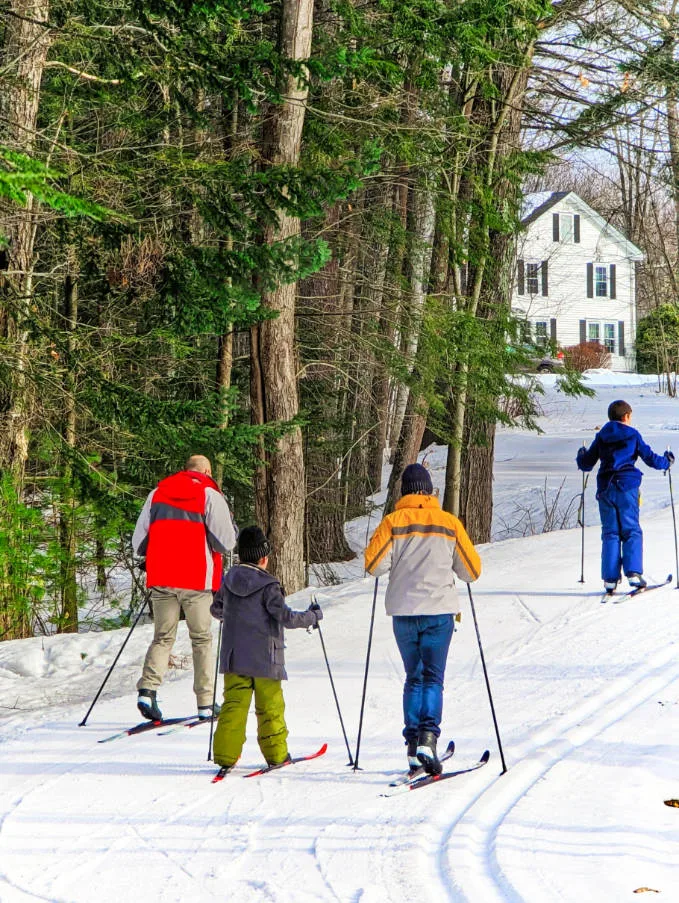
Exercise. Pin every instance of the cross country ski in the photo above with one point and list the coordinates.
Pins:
(428, 779)
(145, 726)
(617, 598)
(291, 761)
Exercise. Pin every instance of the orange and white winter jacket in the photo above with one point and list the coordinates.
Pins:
(423, 547)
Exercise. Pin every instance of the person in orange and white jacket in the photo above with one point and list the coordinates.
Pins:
(423, 547)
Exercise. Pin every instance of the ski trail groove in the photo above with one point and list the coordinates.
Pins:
(472, 837)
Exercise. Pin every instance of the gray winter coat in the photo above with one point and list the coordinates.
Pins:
(251, 604)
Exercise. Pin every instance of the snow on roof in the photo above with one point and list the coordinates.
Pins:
(537, 200)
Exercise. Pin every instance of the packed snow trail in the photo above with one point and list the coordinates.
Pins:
(587, 699)
(140, 816)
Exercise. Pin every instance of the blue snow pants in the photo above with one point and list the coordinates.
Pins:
(423, 642)
(622, 543)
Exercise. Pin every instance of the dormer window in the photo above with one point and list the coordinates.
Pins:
(566, 228)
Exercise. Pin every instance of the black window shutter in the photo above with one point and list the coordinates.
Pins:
(621, 338)
(543, 273)
(555, 226)
(583, 331)
(552, 329)
(611, 293)
(522, 280)
(590, 280)
(576, 228)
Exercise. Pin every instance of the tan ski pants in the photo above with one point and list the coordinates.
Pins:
(167, 603)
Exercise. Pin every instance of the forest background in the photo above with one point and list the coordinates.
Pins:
(282, 234)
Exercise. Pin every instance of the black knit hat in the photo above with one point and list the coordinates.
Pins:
(252, 545)
(415, 478)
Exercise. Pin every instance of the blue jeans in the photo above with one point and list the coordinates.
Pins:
(619, 510)
(423, 642)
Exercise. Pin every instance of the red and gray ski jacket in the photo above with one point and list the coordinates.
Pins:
(183, 530)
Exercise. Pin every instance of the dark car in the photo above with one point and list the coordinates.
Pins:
(534, 358)
(548, 363)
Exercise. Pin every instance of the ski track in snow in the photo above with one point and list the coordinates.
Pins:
(472, 836)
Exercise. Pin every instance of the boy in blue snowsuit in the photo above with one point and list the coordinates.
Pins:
(617, 445)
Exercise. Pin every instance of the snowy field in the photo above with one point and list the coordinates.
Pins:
(586, 695)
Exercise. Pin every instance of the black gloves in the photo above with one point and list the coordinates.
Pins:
(670, 458)
(316, 608)
(141, 565)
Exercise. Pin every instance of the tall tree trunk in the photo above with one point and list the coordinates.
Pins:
(397, 208)
(502, 121)
(68, 619)
(27, 41)
(320, 307)
(673, 136)
(412, 429)
(419, 262)
(280, 485)
(476, 496)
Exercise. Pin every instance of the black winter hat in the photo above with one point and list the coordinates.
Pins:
(252, 545)
(415, 478)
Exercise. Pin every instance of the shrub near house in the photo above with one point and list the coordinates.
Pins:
(587, 356)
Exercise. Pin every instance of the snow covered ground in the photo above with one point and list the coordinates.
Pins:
(586, 695)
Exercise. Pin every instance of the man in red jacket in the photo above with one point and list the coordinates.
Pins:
(183, 530)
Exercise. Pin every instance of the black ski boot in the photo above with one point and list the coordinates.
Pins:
(426, 752)
(148, 706)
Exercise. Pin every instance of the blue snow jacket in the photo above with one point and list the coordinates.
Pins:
(617, 446)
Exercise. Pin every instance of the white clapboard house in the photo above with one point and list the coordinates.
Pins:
(576, 277)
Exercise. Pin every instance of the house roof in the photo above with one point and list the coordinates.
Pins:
(537, 203)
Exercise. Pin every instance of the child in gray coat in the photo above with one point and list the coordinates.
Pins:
(251, 604)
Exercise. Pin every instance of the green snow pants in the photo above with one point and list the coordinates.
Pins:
(272, 731)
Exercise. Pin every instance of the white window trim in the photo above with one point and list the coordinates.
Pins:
(602, 324)
(538, 275)
(534, 329)
(614, 350)
(607, 267)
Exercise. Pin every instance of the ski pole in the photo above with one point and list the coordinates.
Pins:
(674, 521)
(581, 521)
(365, 678)
(120, 652)
(485, 674)
(214, 689)
(334, 693)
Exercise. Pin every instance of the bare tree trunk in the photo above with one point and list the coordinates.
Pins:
(319, 297)
(280, 488)
(476, 497)
(408, 446)
(424, 218)
(27, 41)
(68, 619)
(379, 378)
(225, 341)
(503, 120)
(673, 135)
